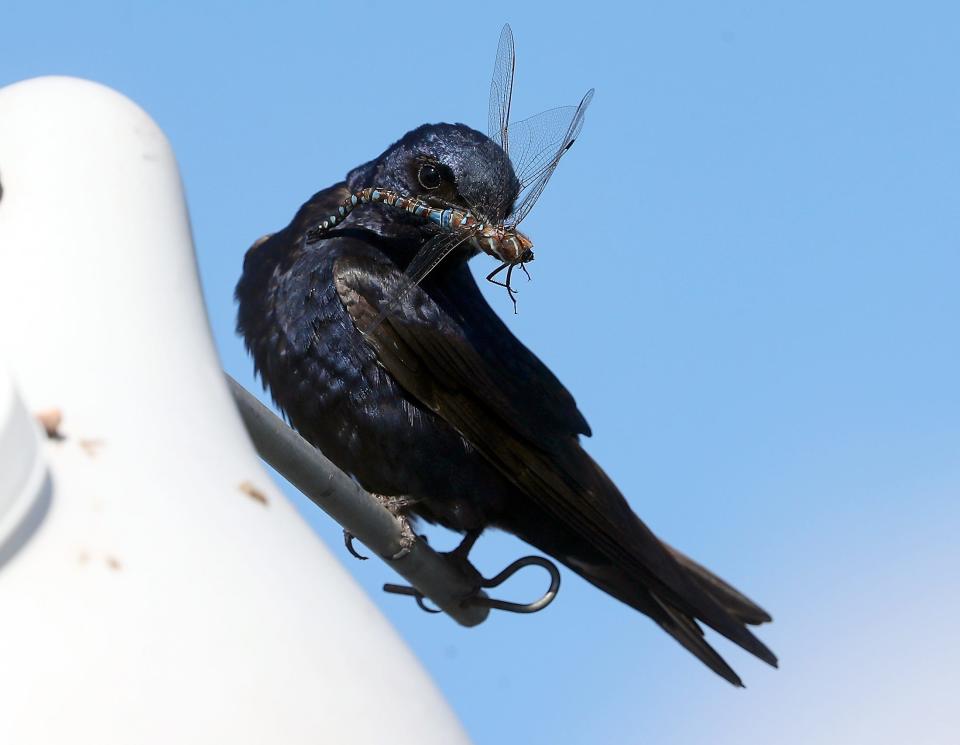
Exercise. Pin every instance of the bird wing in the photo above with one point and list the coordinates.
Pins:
(533, 390)
(429, 354)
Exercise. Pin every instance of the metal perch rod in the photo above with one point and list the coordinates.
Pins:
(430, 574)
(356, 510)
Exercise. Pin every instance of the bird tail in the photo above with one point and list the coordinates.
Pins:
(682, 626)
(730, 599)
(569, 508)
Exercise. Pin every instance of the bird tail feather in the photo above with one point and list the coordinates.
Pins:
(732, 600)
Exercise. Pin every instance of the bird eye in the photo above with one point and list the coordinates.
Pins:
(428, 176)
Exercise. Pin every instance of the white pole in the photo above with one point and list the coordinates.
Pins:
(169, 593)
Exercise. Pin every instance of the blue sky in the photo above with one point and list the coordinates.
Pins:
(747, 274)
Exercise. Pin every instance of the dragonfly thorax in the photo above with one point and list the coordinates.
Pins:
(506, 244)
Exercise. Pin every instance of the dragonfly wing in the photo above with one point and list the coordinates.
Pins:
(426, 260)
(501, 90)
(433, 252)
(538, 144)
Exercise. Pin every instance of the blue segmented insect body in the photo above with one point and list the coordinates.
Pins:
(504, 243)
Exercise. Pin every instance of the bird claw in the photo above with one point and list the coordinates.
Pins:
(407, 538)
(466, 545)
(348, 539)
(396, 506)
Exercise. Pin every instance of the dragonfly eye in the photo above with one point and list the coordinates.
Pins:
(428, 176)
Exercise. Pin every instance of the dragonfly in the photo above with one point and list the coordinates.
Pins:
(534, 146)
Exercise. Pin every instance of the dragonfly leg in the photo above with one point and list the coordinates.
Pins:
(510, 291)
(495, 272)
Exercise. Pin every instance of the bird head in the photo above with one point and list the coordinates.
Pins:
(445, 164)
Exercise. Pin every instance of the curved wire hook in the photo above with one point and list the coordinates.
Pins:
(412, 592)
(537, 605)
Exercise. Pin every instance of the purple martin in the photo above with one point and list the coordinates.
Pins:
(422, 393)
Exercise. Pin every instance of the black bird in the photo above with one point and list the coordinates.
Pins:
(439, 404)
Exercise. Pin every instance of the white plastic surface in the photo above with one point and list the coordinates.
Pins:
(24, 487)
(169, 594)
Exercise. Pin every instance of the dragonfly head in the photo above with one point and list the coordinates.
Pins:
(524, 247)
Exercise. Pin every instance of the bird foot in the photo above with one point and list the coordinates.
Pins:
(407, 538)
(463, 550)
(397, 505)
(348, 539)
(460, 557)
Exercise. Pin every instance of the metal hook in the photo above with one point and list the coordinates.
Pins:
(412, 592)
(536, 605)
(479, 600)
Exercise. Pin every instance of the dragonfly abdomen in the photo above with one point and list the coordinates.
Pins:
(448, 219)
(506, 244)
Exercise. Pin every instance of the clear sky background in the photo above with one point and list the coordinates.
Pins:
(747, 274)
